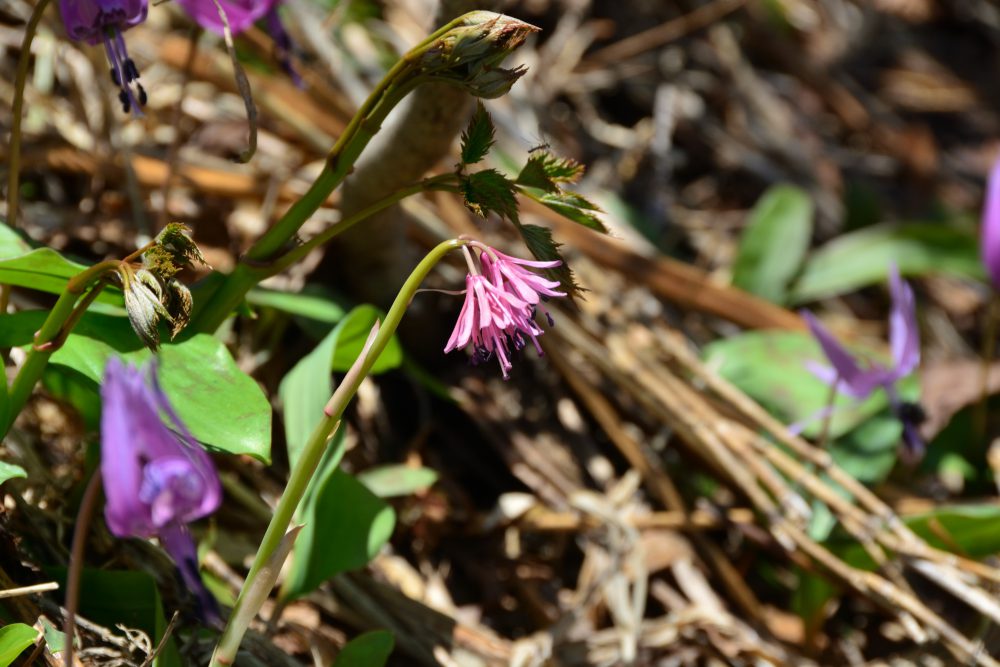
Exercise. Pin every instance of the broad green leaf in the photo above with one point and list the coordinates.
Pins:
(345, 527)
(312, 306)
(769, 366)
(478, 137)
(305, 390)
(774, 242)
(14, 638)
(372, 649)
(223, 407)
(4, 400)
(353, 332)
(11, 471)
(869, 451)
(489, 191)
(55, 639)
(571, 206)
(110, 597)
(11, 243)
(47, 271)
(863, 257)
(389, 481)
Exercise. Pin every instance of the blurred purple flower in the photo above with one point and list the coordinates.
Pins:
(156, 476)
(96, 21)
(241, 14)
(501, 297)
(860, 377)
(990, 232)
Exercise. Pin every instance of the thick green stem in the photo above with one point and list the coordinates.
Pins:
(62, 316)
(245, 276)
(305, 468)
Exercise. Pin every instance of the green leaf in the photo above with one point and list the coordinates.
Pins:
(863, 257)
(55, 639)
(478, 137)
(11, 471)
(47, 271)
(14, 638)
(4, 400)
(389, 481)
(372, 649)
(223, 407)
(318, 307)
(345, 527)
(541, 244)
(770, 367)
(544, 170)
(774, 243)
(489, 191)
(306, 388)
(110, 597)
(11, 243)
(571, 206)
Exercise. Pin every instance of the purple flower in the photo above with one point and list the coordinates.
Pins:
(156, 476)
(241, 14)
(990, 232)
(96, 21)
(860, 377)
(501, 297)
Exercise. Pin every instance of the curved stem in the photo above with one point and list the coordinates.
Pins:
(75, 571)
(60, 320)
(305, 468)
(17, 110)
(245, 276)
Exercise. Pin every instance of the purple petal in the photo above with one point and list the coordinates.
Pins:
(90, 19)
(839, 357)
(177, 541)
(904, 333)
(241, 14)
(990, 233)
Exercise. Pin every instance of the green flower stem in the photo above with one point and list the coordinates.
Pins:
(17, 111)
(56, 326)
(305, 468)
(246, 276)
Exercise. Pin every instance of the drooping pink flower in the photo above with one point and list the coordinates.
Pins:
(501, 298)
(156, 476)
(96, 21)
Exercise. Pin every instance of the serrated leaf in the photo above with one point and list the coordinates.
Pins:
(489, 191)
(541, 244)
(572, 206)
(533, 176)
(478, 137)
(774, 242)
(556, 169)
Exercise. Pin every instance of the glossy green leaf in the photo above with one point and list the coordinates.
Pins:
(345, 526)
(863, 257)
(774, 242)
(389, 481)
(571, 206)
(47, 271)
(318, 307)
(223, 407)
(11, 471)
(372, 649)
(110, 597)
(4, 400)
(14, 638)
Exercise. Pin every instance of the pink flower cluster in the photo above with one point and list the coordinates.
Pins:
(502, 296)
